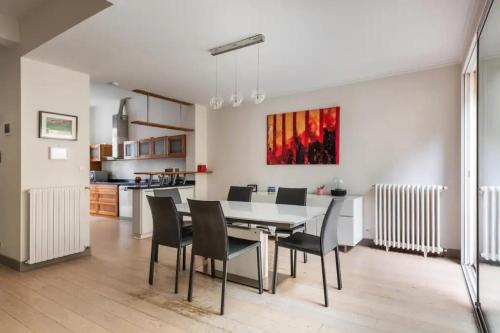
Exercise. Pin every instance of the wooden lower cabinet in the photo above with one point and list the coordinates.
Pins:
(104, 200)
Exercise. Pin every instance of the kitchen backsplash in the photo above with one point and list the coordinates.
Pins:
(125, 169)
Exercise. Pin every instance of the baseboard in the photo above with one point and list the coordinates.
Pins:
(24, 267)
(11, 263)
(448, 253)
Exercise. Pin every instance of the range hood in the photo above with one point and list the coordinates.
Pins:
(120, 128)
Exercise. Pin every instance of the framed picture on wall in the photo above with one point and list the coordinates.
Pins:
(57, 126)
(304, 137)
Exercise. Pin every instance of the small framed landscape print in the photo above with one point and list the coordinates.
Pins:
(57, 126)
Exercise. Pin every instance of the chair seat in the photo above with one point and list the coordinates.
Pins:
(302, 242)
(238, 246)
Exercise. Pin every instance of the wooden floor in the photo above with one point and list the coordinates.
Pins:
(108, 292)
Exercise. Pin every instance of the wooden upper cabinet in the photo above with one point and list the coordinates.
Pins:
(159, 147)
(99, 152)
(177, 146)
(145, 148)
(130, 150)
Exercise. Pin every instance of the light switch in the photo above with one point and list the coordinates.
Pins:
(58, 153)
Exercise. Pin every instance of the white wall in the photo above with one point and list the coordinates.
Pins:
(55, 89)
(105, 102)
(10, 165)
(402, 129)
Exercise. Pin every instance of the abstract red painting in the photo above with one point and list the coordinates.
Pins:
(304, 137)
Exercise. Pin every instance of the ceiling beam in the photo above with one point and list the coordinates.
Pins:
(150, 94)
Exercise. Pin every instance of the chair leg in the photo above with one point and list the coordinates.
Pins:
(177, 266)
(224, 279)
(291, 262)
(259, 269)
(275, 267)
(325, 290)
(156, 253)
(184, 258)
(212, 268)
(191, 273)
(305, 254)
(337, 262)
(294, 263)
(154, 248)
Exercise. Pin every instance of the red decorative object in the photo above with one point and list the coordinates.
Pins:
(202, 168)
(304, 137)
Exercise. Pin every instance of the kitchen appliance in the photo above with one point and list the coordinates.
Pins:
(125, 202)
(120, 128)
(99, 176)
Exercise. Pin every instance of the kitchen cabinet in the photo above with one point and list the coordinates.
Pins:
(142, 225)
(99, 152)
(104, 199)
(130, 150)
(145, 148)
(159, 147)
(177, 146)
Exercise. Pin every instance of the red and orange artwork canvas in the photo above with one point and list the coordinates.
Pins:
(304, 137)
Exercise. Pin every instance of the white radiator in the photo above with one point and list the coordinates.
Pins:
(490, 222)
(57, 228)
(408, 217)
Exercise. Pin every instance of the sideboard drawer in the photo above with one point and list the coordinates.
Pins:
(347, 208)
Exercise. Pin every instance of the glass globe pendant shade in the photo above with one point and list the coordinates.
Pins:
(258, 96)
(216, 102)
(236, 99)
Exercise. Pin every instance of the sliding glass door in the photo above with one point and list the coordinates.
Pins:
(488, 157)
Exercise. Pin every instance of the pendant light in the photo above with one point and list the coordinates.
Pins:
(216, 101)
(258, 95)
(236, 98)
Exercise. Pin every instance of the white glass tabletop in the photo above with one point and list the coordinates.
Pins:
(287, 216)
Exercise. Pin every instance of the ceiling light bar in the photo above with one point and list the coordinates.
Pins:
(237, 45)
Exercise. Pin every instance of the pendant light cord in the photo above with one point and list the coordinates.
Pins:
(258, 68)
(235, 73)
(216, 76)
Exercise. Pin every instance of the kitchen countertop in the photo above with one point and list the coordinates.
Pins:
(141, 186)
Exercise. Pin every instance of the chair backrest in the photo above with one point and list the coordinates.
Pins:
(171, 192)
(291, 196)
(167, 224)
(240, 193)
(209, 229)
(329, 238)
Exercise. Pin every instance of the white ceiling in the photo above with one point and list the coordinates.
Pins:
(18, 8)
(162, 46)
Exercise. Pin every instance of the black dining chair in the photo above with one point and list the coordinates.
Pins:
(167, 231)
(210, 240)
(297, 197)
(169, 192)
(240, 193)
(317, 245)
(186, 221)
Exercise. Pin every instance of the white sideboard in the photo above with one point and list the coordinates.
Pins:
(142, 226)
(350, 229)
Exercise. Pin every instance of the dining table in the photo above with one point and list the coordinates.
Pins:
(255, 221)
